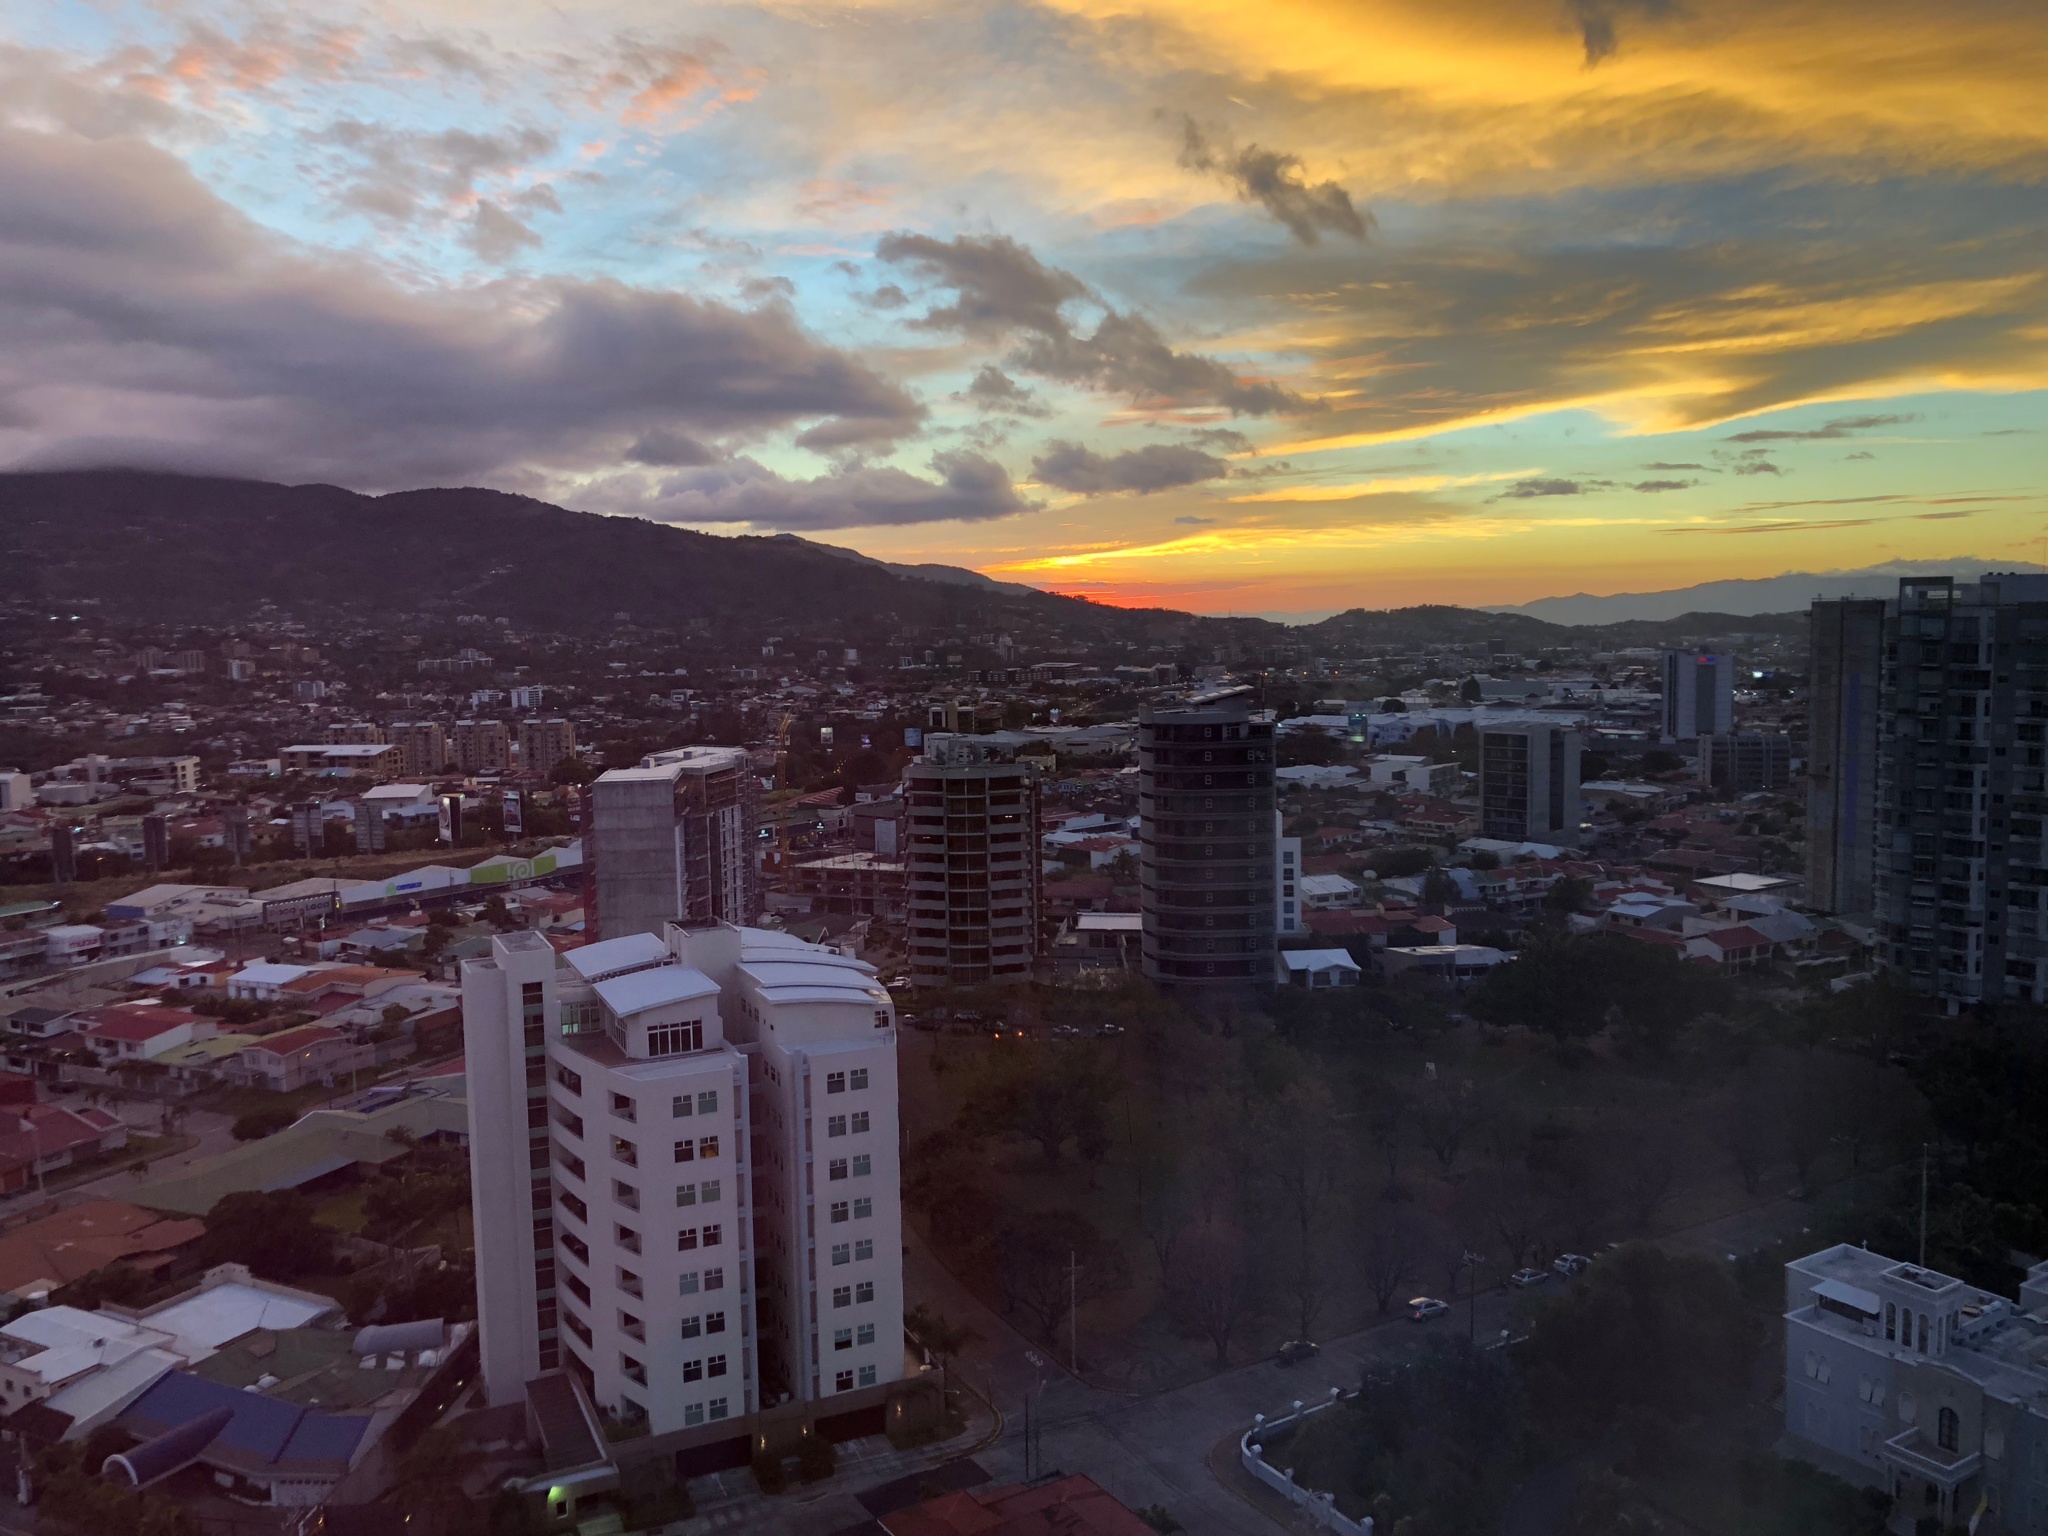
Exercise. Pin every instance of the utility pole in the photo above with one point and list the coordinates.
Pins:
(1923, 1205)
(1074, 1310)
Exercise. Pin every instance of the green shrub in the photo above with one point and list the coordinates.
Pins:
(769, 1476)
(817, 1460)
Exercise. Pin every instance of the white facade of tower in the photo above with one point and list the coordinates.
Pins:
(693, 1283)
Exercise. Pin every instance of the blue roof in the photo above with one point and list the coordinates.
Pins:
(263, 1432)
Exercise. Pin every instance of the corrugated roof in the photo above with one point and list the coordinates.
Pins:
(638, 991)
(263, 1435)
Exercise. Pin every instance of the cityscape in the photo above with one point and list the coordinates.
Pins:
(1023, 768)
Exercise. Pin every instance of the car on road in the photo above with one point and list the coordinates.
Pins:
(1422, 1308)
(1295, 1351)
(1524, 1278)
(1569, 1264)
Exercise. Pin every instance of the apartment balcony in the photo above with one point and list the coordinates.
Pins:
(624, 1151)
(1913, 1453)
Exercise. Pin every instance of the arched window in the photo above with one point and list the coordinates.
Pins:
(1948, 1429)
(1923, 1333)
(1891, 1321)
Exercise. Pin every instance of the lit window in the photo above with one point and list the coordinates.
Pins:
(707, 1146)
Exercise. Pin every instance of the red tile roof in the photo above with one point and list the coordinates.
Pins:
(293, 1040)
(134, 1021)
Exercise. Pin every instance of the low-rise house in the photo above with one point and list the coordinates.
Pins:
(128, 1032)
(263, 981)
(41, 1255)
(1329, 892)
(1740, 948)
(1094, 941)
(1456, 964)
(38, 1139)
(287, 1061)
(1316, 969)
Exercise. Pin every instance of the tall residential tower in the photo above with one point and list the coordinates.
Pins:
(673, 841)
(970, 814)
(1207, 828)
(684, 1172)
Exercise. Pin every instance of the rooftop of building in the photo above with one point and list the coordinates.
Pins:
(615, 957)
(658, 986)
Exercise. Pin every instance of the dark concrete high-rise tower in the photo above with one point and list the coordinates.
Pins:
(1844, 694)
(1205, 806)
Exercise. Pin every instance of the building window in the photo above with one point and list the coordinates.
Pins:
(720, 1407)
(867, 1375)
(715, 1366)
(569, 1080)
(632, 1327)
(690, 1327)
(835, 1082)
(708, 1192)
(863, 1165)
(674, 1039)
(633, 1369)
(842, 1338)
(714, 1279)
(707, 1102)
(839, 1210)
(679, 1106)
(693, 1370)
(841, 1254)
(629, 1283)
(686, 1284)
(707, 1146)
(693, 1414)
(863, 1208)
(865, 1334)
(836, 1169)
(686, 1151)
(865, 1291)
(842, 1295)
(842, 1381)
(686, 1194)
(713, 1235)
(714, 1322)
(864, 1248)
(627, 1239)
(1948, 1429)
(1891, 1321)
(860, 1122)
(686, 1239)
(624, 1107)
(859, 1079)
(624, 1151)
(835, 1125)
(626, 1194)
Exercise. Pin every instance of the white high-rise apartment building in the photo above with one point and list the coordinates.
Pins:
(684, 1171)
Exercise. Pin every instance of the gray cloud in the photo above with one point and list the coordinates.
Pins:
(132, 295)
(968, 488)
(1221, 439)
(1523, 490)
(1674, 466)
(1002, 291)
(995, 391)
(1597, 21)
(496, 235)
(1664, 485)
(1754, 463)
(669, 450)
(1155, 467)
(396, 177)
(1274, 181)
(1841, 426)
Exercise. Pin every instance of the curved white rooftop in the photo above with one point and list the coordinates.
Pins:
(655, 987)
(612, 957)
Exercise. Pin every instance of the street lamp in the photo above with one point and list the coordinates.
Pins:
(1472, 1261)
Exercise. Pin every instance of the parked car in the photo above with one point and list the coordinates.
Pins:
(1527, 1277)
(1294, 1351)
(1422, 1308)
(1570, 1263)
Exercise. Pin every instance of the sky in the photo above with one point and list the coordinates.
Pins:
(1282, 308)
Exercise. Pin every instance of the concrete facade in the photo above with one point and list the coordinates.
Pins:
(673, 841)
(971, 843)
(1846, 650)
(1529, 783)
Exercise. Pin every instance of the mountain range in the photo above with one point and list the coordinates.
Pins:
(1769, 594)
(191, 549)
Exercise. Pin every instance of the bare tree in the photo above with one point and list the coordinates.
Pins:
(1389, 1114)
(1445, 1116)
(1389, 1243)
(1307, 1155)
(1214, 1287)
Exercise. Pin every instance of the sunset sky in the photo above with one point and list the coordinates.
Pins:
(1275, 308)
